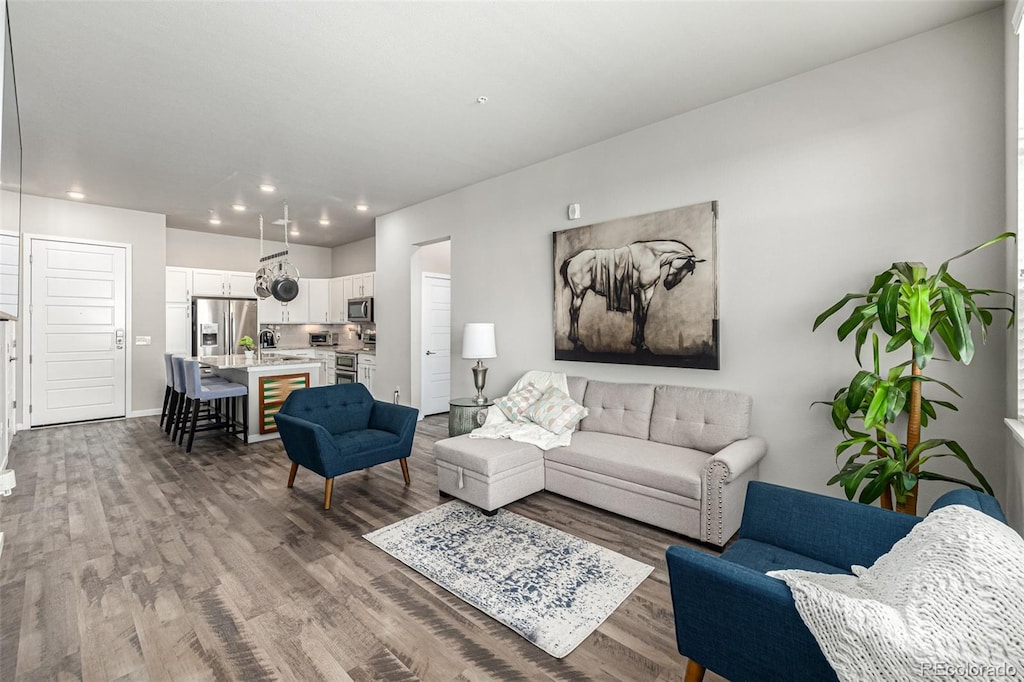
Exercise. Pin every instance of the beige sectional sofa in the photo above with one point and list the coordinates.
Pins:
(676, 457)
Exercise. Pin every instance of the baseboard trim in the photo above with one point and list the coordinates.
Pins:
(155, 412)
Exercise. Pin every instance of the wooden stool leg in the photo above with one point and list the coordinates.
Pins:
(328, 491)
(694, 672)
(192, 424)
(291, 474)
(405, 469)
(180, 422)
(245, 418)
(167, 400)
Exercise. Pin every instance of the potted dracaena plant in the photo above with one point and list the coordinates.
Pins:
(911, 308)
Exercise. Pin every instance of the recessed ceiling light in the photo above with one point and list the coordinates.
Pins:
(215, 221)
(238, 207)
(72, 194)
(325, 222)
(482, 99)
(362, 207)
(267, 188)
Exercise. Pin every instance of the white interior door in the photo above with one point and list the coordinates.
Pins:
(78, 334)
(436, 368)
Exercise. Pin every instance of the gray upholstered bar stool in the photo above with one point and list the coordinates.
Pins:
(198, 392)
(176, 409)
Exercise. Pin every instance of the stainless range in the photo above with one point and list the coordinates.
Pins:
(345, 369)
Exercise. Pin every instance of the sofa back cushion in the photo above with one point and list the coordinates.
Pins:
(705, 419)
(577, 388)
(618, 409)
(338, 407)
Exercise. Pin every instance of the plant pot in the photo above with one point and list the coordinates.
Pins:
(249, 355)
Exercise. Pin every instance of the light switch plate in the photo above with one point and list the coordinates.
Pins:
(574, 211)
(143, 340)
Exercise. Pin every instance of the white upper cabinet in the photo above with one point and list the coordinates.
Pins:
(179, 285)
(319, 300)
(362, 285)
(336, 299)
(223, 283)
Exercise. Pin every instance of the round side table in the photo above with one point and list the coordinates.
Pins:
(462, 415)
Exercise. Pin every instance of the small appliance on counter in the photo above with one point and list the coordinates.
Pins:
(323, 339)
(369, 337)
(268, 338)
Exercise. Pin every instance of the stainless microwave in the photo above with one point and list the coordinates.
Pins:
(360, 309)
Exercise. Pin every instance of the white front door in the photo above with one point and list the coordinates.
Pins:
(436, 369)
(78, 333)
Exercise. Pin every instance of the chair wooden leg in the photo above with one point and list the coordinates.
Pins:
(405, 468)
(328, 490)
(172, 411)
(694, 672)
(192, 424)
(163, 410)
(291, 474)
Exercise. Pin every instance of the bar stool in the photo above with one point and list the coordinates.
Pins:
(197, 392)
(169, 391)
(176, 412)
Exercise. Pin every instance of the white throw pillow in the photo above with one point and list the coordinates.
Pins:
(516, 403)
(556, 411)
(946, 602)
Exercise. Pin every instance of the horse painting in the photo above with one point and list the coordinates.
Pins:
(626, 276)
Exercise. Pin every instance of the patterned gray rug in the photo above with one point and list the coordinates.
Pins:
(552, 588)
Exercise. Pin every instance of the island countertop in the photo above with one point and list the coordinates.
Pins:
(257, 363)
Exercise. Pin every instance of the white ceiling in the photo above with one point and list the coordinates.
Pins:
(183, 107)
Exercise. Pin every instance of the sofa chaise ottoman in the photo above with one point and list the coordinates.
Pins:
(675, 457)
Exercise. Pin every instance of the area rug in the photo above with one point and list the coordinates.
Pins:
(552, 588)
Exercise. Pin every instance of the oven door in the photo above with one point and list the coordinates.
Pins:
(342, 377)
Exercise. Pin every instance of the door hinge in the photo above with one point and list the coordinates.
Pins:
(30, 259)
(30, 409)
(14, 405)
(30, 358)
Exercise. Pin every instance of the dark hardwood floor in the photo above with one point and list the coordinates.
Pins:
(127, 559)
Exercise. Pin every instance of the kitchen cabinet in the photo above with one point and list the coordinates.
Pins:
(223, 283)
(179, 285)
(366, 370)
(272, 311)
(362, 285)
(178, 310)
(319, 300)
(336, 299)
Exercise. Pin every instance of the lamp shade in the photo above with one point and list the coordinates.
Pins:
(478, 341)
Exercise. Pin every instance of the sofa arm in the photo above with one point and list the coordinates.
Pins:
(833, 530)
(739, 622)
(397, 419)
(305, 442)
(973, 499)
(739, 456)
(724, 487)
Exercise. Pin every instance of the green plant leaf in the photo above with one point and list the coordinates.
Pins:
(898, 340)
(932, 476)
(990, 242)
(860, 314)
(945, 331)
(876, 409)
(888, 310)
(920, 311)
(835, 307)
(874, 489)
(862, 382)
(881, 279)
(953, 302)
(904, 271)
(851, 483)
(962, 455)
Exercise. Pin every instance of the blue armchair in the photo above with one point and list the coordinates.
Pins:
(333, 430)
(732, 618)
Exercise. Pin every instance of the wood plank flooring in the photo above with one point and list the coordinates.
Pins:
(127, 559)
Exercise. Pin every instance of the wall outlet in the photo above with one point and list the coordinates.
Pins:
(143, 340)
(7, 482)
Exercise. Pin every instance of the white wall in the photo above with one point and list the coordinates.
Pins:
(191, 249)
(823, 180)
(1013, 502)
(354, 258)
(145, 232)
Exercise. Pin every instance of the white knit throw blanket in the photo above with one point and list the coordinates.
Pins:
(945, 603)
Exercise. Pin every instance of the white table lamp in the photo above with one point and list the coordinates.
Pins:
(478, 343)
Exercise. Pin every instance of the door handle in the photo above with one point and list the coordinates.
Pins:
(119, 339)
(430, 352)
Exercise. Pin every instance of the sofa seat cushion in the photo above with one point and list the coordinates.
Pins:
(763, 557)
(706, 419)
(486, 456)
(655, 465)
(367, 439)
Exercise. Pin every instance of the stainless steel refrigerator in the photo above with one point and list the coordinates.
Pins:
(218, 323)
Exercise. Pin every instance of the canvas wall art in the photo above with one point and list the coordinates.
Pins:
(640, 290)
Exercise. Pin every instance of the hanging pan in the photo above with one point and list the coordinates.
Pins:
(285, 284)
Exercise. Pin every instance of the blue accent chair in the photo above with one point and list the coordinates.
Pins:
(735, 620)
(332, 430)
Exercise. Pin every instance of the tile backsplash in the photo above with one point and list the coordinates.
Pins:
(297, 335)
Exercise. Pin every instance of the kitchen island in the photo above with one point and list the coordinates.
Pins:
(270, 380)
